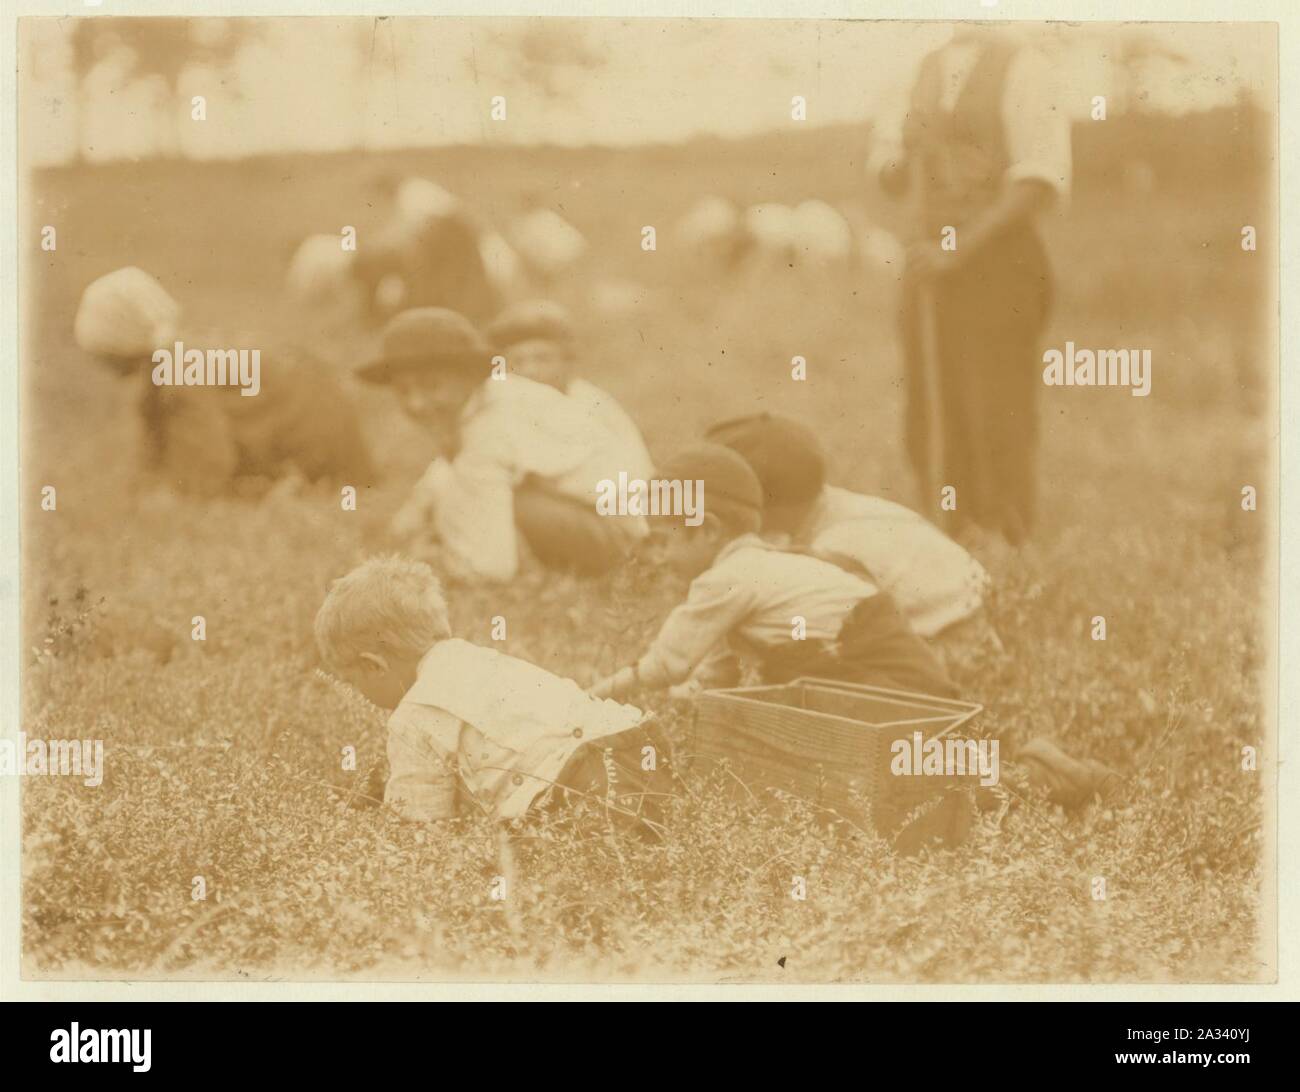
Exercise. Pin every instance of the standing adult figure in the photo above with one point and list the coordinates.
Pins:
(982, 150)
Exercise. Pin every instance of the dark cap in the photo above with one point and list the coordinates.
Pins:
(426, 338)
(784, 453)
(732, 491)
(531, 321)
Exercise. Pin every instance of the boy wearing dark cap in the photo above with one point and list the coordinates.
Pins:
(938, 587)
(517, 458)
(794, 615)
(789, 614)
(433, 360)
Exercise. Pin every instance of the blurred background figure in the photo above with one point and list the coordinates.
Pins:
(984, 149)
(505, 269)
(321, 283)
(880, 250)
(548, 244)
(427, 253)
(813, 235)
(711, 231)
(822, 237)
(206, 439)
(770, 233)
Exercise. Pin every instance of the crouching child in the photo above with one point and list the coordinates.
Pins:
(940, 589)
(790, 614)
(539, 342)
(472, 728)
(784, 613)
(214, 414)
(519, 461)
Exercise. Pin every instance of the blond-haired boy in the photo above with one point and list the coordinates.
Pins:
(472, 727)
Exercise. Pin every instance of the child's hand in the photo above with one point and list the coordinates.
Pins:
(615, 685)
(926, 261)
(686, 691)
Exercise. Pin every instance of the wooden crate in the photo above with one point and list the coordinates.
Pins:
(827, 742)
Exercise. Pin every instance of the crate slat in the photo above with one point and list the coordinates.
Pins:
(826, 741)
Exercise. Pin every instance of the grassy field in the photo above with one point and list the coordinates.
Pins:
(223, 756)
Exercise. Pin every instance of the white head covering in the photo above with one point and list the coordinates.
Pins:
(126, 313)
(419, 200)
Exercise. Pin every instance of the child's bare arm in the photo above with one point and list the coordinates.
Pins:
(690, 634)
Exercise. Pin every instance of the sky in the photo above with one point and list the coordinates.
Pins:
(328, 83)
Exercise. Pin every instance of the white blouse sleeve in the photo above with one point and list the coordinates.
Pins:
(1037, 124)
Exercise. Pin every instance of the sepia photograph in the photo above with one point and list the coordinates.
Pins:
(647, 500)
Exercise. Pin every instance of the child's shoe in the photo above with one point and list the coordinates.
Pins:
(1069, 782)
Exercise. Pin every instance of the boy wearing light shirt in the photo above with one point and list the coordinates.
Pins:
(538, 341)
(520, 461)
(750, 595)
(787, 613)
(473, 729)
(938, 587)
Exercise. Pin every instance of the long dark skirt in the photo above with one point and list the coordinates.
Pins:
(989, 318)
